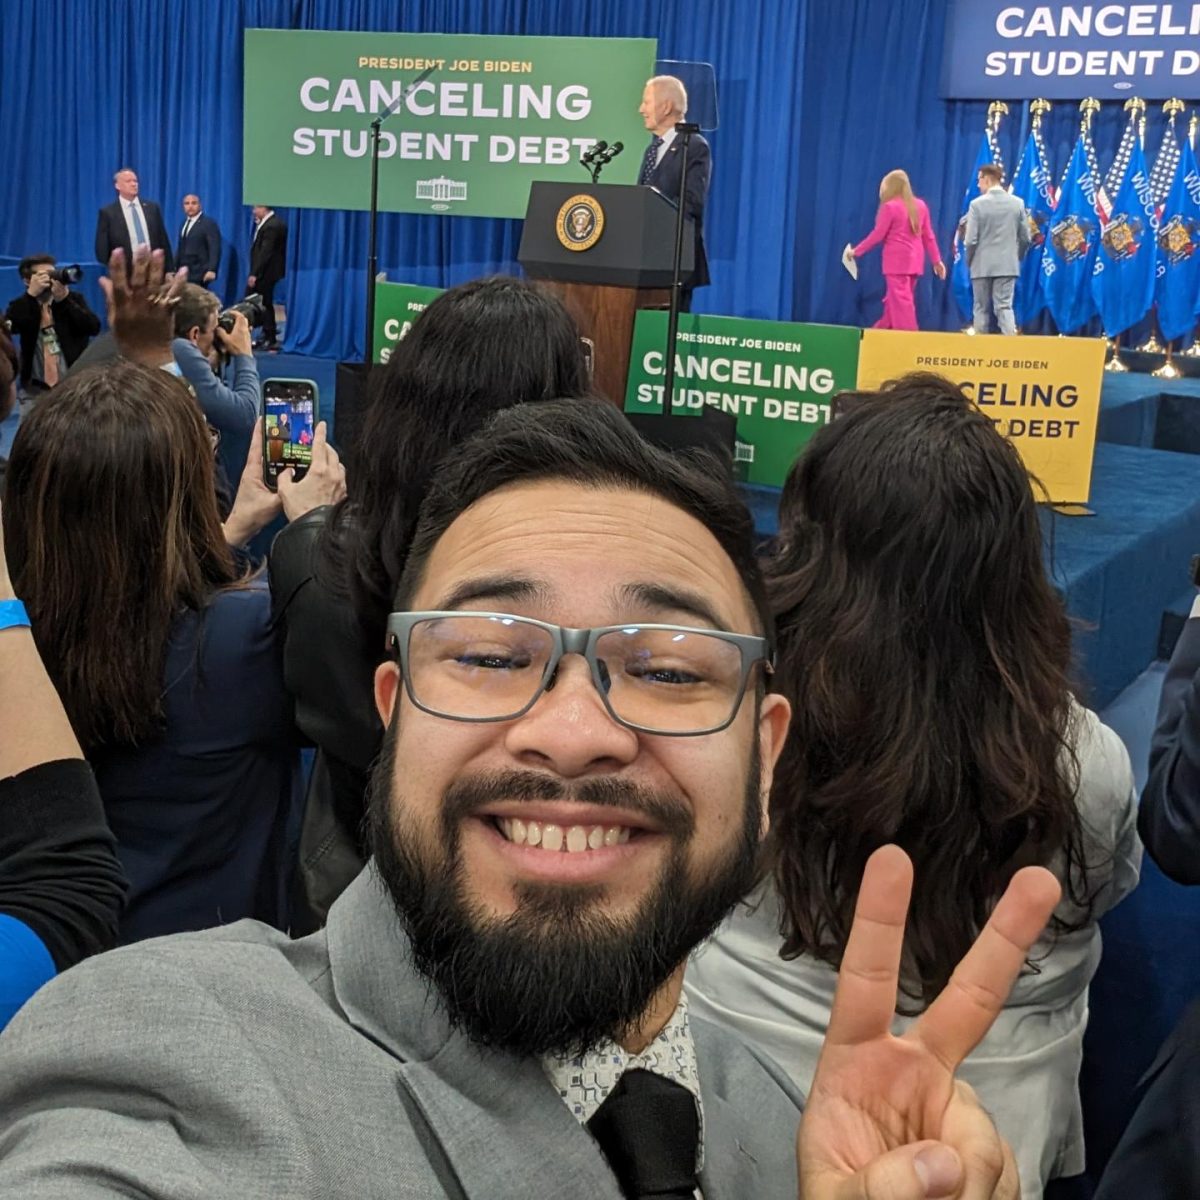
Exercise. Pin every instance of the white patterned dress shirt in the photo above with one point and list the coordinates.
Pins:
(585, 1081)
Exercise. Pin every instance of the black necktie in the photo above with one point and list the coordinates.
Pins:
(650, 1133)
(649, 160)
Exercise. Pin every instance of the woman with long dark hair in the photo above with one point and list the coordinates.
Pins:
(159, 642)
(478, 348)
(926, 657)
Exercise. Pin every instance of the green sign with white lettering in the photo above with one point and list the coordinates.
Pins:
(778, 378)
(397, 306)
(475, 119)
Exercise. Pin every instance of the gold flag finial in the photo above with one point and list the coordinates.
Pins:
(996, 110)
(1174, 107)
(1039, 108)
(1089, 107)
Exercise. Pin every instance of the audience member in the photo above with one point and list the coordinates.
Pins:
(199, 243)
(477, 1005)
(1169, 816)
(130, 223)
(161, 647)
(333, 575)
(60, 885)
(268, 265)
(10, 369)
(53, 323)
(926, 656)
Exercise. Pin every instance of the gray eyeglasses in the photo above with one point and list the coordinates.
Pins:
(664, 679)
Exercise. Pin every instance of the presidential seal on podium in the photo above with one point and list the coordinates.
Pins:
(580, 222)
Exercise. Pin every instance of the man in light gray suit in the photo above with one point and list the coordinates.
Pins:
(996, 240)
(571, 793)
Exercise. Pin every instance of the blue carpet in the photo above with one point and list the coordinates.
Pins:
(1133, 406)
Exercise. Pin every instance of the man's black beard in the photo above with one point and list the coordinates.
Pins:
(557, 977)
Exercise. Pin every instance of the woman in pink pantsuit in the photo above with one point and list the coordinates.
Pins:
(902, 225)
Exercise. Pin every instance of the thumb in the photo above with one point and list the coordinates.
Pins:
(923, 1171)
(285, 481)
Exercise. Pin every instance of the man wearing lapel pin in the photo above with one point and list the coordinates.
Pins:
(664, 104)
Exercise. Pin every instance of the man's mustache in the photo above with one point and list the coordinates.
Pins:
(467, 796)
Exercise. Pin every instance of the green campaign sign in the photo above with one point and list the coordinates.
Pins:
(397, 306)
(495, 114)
(778, 378)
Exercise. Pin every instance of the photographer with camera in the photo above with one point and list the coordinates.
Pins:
(53, 322)
(199, 329)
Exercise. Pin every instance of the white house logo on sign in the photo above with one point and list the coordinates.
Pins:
(441, 191)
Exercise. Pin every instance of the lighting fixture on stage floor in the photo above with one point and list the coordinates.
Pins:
(1168, 370)
(1114, 356)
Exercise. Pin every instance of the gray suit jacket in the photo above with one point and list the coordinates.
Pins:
(237, 1065)
(997, 234)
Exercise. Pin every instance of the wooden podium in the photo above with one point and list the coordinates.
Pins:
(606, 249)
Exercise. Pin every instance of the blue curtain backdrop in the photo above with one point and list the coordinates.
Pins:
(817, 102)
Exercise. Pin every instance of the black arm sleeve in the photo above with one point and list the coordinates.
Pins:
(58, 866)
(1169, 814)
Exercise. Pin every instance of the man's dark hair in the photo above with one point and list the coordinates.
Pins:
(31, 262)
(196, 305)
(993, 172)
(590, 443)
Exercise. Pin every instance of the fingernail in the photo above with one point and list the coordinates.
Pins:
(939, 1170)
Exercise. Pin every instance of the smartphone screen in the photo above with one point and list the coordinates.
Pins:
(289, 422)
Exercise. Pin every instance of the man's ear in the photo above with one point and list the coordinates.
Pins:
(387, 688)
(775, 714)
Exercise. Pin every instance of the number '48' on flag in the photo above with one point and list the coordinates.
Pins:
(1178, 286)
(1033, 185)
(1123, 277)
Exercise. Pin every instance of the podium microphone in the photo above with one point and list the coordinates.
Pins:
(613, 151)
(589, 155)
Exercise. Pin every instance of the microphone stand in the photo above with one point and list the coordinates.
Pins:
(373, 219)
(684, 130)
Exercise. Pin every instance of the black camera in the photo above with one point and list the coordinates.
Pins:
(252, 308)
(71, 274)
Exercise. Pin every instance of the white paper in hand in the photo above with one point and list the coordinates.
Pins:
(849, 261)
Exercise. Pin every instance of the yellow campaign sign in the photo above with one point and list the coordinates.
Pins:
(1042, 393)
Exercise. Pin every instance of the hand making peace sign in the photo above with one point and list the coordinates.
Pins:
(885, 1119)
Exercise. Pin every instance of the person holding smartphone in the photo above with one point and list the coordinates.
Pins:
(156, 634)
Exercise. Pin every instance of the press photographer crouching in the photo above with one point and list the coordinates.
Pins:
(53, 322)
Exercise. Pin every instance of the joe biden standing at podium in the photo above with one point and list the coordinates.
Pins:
(664, 102)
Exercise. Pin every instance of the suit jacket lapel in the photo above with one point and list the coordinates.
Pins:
(740, 1160)
(497, 1118)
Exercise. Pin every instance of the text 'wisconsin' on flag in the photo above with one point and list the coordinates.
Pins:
(1070, 250)
(1123, 276)
(1033, 185)
(1177, 290)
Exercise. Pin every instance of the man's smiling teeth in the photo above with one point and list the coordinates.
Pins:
(552, 837)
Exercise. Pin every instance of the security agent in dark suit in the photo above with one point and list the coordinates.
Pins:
(130, 222)
(268, 265)
(664, 102)
(199, 243)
